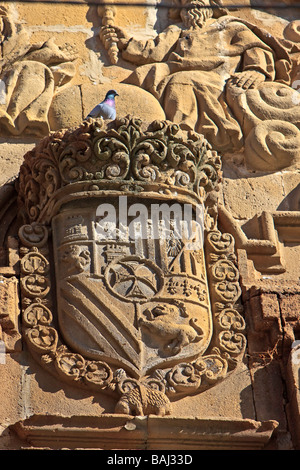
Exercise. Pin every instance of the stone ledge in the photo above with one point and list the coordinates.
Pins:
(119, 432)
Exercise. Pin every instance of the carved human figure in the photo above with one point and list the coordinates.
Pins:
(29, 77)
(190, 69)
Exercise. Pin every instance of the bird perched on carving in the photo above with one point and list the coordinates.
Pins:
(106, 109)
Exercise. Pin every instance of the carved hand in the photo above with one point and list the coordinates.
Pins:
(247, 79)
(107, 33)
(122, 37)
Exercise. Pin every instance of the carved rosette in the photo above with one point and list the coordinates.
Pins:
(148, 322)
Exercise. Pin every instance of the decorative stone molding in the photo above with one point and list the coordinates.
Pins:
(122, 158)
(108, 37)
(146, 320)
(293, 387)
(269, 116)
(152, 432)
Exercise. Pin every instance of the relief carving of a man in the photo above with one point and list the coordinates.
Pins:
(190, 70)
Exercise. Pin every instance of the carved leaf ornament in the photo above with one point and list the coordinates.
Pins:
(91, 153)
(147, 319)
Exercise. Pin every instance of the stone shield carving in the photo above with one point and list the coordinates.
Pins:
(119, 294)
(136, 302)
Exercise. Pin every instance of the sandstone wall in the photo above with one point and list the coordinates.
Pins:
(55, 69)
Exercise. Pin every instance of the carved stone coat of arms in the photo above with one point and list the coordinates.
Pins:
(128, 286)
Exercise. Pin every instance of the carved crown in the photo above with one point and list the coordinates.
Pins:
(125, 154)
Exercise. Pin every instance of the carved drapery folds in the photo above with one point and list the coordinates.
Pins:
(9, 316)
(135, 310)
(30, 75)
(240, 92)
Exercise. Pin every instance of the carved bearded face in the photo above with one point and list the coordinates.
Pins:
(196, 17)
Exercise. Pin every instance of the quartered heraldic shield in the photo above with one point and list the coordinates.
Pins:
(133, 301)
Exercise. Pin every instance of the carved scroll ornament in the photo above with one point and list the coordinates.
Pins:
(145, 319)
(270, 117)
(109, 38)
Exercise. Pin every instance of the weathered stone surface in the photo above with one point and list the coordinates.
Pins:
(146, 434)
(70, 99)
(293, 392)
(57, 62)
(11, 157)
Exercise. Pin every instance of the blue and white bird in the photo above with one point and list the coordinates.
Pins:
(106, 109)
